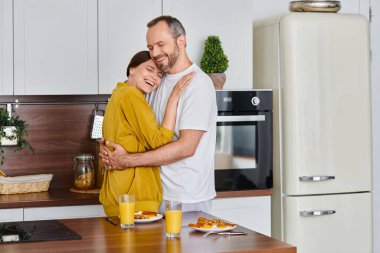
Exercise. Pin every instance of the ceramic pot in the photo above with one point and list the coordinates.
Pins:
(219, 79)
(9, 131)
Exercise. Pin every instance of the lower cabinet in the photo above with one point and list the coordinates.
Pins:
(12, 214)
(250, 212)
(63, 212)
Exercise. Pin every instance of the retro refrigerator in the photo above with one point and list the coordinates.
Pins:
(318, 67)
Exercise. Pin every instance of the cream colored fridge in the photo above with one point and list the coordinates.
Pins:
(318, 67)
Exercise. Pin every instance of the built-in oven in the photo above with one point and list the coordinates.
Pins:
(244, 146)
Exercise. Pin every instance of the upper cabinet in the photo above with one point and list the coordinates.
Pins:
(55, 47)
(231, 21)
(6, 48)
(122, 33)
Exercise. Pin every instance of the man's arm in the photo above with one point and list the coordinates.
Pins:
(174, 151)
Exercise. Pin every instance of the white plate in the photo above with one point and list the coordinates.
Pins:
(158, 217)
(214, 230)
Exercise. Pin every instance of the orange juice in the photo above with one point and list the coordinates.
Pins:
(127, 213)
(173, 221)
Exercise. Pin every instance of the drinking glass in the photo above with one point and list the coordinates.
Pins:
(127, 210)
(173, 217)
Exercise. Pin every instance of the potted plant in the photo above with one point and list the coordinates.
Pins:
(12, 133)
(214, 62)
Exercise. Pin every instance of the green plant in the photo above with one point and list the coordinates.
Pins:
(214, 60)
(19, 133)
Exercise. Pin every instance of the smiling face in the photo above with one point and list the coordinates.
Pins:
(163, 47)
(146, 77)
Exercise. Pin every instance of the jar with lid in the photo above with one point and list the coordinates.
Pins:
(84, 172)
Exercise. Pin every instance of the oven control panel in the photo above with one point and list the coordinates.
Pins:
(244, 100)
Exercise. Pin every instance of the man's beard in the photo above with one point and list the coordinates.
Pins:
(172, 59)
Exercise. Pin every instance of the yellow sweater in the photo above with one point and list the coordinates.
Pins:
(130, 122)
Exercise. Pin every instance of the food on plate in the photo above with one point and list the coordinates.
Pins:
(142, 215)
(211, 224)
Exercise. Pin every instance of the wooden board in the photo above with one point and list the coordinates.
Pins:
(92, 191)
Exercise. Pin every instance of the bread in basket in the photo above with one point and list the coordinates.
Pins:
(24, 184)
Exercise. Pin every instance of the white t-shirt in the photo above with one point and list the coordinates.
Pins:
(190, 180)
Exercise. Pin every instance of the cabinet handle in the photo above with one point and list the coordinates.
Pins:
(240, 118)
(316, 213)
(315, 178)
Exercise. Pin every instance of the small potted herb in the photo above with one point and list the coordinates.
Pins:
(12, 133)
(214, 62)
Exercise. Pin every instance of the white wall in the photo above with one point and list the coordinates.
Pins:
(375, 45)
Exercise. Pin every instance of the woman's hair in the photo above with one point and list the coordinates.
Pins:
(175, 27)
(137, 59)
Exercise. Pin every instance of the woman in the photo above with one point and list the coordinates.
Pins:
(129, 121)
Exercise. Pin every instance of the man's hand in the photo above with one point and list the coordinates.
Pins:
(113, 155)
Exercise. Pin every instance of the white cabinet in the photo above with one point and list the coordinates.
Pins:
(250, 212)
(49, 213)
(55, 47)
(63, 212)
(84, 46)
(6, 48)
(12, 214)
(122, 32)
(231, 21)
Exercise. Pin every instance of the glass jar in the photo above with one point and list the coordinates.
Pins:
(84, 172)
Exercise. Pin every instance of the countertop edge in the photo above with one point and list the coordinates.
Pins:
(63, 197)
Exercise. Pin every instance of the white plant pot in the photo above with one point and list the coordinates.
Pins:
(9, 131)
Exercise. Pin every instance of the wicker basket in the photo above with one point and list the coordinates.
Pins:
(25, 184)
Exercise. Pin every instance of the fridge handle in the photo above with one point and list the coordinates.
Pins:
(315, 178)
(316, 213)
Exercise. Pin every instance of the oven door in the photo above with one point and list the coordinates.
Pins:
(243, 152)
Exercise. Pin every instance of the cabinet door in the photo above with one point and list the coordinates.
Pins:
(55, 45)
(122, 32)
(249, 212)
(63, 212)
(6, 48)
(230, 20)
(348, 230)
(13, 214)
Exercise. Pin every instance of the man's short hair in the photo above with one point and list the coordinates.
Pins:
(175, 27)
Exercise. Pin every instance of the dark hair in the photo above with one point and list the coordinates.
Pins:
(175, 27)
(137, 59)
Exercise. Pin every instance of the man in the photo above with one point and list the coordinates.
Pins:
(187, 163)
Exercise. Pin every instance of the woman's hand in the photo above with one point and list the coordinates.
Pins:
(171, 107)
(180, 87)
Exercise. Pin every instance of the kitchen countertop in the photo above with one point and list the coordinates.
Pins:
(63, 197)
(99, 235)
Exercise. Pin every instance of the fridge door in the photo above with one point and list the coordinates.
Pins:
(329, 223)
(326, 103)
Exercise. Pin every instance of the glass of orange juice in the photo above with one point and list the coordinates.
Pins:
(173, 217)
(127, 210)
